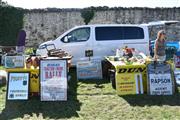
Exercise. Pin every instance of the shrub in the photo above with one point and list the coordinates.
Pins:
(11, 22)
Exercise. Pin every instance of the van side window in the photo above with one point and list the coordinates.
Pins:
(77, 35)
(118, 33)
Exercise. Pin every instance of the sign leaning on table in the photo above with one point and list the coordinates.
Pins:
(160, 84)
(18, 86)
(14, 61)
(53, 80)
(89, 69)
(160, 79)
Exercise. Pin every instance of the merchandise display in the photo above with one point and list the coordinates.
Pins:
(133, 74)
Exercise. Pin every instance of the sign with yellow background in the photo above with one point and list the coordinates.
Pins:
(34, 81)
(126, 84)
(131, 79)
(34, 78)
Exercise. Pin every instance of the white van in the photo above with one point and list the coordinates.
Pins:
(101, 39)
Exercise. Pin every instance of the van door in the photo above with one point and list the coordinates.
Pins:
(77, 42)
(109, 38)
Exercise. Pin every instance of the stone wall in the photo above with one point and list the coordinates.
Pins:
(45, 25)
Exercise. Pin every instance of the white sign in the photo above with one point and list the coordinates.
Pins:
(160, 84)
(14, 61)
(18, 86)
(53, 80)
(89, 69)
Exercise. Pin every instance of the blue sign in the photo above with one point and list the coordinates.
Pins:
(89, 69)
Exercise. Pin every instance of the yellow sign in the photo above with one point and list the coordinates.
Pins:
(131, 79)
(34, 77)
(34, 81)
(126, 84)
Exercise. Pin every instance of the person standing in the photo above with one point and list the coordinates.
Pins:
(159, 47)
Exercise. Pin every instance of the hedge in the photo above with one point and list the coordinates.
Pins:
(11, 22)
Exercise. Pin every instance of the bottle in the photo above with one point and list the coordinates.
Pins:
(117, 52)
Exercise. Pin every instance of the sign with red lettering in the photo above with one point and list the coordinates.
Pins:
(53, 80)
(18, 86)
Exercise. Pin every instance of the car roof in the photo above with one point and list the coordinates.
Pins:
(108, 25)
(153, 23)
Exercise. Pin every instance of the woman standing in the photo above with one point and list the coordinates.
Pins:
(159, 48)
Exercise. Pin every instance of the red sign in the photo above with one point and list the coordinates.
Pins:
(177, 61)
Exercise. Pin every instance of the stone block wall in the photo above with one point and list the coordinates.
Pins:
(45, 25)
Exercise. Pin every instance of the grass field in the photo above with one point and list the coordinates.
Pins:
(90, 100)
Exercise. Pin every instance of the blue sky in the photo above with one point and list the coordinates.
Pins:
(30, 4)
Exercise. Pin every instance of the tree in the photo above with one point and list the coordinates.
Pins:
(87, 14)
(3, 3)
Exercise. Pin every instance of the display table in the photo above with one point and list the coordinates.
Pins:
(129, 79)
(34, 73)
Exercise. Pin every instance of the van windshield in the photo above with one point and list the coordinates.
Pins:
(118, 33)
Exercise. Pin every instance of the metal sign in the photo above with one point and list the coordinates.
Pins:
(160, 84)
(89, 53)
(14, 61)
(89, 69)
(129, 83)
(18, 86)
(160, 81)
(53, 80)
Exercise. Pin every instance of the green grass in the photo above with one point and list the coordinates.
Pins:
(90, 100)
(1, 67)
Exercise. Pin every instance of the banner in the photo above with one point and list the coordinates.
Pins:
(160, 84)
(89, 69)
(18, 86)
(14, 61)
(53, 80)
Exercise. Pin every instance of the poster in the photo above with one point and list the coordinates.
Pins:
(89, 69)
(18, 86)
(160, 84)
(14, 61)
(129, 83)
(177, 61)
(53, 80)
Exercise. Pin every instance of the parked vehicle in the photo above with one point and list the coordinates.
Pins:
(102, 39)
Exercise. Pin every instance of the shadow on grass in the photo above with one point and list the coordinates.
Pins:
(95, 81)
(149, 100)
(2, 85)
(49, 110)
